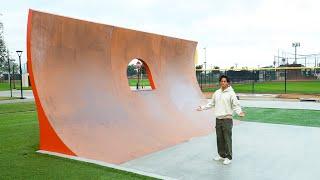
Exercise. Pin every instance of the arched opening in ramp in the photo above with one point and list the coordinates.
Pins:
(139, 75)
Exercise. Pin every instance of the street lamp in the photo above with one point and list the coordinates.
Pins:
(13, 78)
(19, 54)
(295, 45)
(138, 67)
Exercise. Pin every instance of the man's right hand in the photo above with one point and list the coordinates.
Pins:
(242, 114)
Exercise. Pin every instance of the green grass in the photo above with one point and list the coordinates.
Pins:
(282, 116)
(5, 86)
(19, 138)
(133, 82)
(301, 87)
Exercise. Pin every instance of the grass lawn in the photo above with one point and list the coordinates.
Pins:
(19, 136)
(301, 87)
(4, 86)
(282, 116)
(133, 82)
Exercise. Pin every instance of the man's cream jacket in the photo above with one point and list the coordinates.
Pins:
(224, 103)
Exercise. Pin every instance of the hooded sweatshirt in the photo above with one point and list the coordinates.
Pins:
(224, 103)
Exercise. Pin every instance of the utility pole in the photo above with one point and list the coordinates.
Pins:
(205, 64)
(9, 76)
(13, 79)
(278, 58)
(305, 61)
(19, 52)
(295, 45)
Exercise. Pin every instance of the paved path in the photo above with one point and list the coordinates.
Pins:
(17, 93)
(27, 94)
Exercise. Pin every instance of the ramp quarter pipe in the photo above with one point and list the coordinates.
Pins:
(85, 106)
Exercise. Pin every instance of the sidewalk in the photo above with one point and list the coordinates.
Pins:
(27, 94)
(17, 93)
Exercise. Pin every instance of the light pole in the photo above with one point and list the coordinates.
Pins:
(295, 45)
(9, 76)
(13, 79)
(19, 54)
(138, 66)
(205, 65)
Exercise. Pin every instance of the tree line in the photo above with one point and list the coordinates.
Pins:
(5, 56)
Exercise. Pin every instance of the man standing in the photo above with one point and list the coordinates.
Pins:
(225, 102)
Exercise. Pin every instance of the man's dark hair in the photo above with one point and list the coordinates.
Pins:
(224, 76)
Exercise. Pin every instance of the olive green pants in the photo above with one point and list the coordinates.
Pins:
(224, 137)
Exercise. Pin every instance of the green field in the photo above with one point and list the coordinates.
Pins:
(144, 82)
(282, 116)
(19, 136)
(5, 86)
(301, 87)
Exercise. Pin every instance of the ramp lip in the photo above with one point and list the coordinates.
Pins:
(120, 27)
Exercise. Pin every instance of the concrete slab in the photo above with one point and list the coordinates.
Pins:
(261, 151)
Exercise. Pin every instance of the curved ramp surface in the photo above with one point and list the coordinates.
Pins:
(85, 106)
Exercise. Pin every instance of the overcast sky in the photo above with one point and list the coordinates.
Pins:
(243, 32)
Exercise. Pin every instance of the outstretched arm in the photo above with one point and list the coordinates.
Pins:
(209, 105)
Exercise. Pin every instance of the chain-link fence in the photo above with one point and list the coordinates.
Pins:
(264, 80)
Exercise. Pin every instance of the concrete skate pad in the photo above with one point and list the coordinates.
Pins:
(85, 106)
(260, 151)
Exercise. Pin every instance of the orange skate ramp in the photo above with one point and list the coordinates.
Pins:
(85, 107)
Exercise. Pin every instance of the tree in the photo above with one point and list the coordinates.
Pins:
(3, 51)
(13, 66)
(131, 70)
(199, 70)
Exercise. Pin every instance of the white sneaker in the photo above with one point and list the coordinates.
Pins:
(218, 158)
(226, 161)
